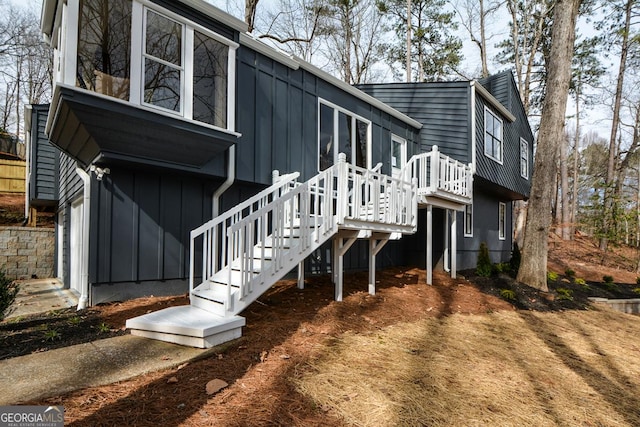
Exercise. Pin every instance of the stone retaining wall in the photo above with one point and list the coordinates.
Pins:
(27, 252)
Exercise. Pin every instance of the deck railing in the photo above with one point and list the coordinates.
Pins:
(440, 175)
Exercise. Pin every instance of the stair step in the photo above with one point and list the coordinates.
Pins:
(212, 299)
(187, 325)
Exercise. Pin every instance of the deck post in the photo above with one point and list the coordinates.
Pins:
(301, 275)
(446, 241)
(454, 243)
(429, 244)
(340, 245)
(376, 243)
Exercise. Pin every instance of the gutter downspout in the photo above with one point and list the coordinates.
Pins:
(83, 301)
(231, 177)
(473, 126)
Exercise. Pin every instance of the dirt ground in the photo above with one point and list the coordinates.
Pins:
(287, 327)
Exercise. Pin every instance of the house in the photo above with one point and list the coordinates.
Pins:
(482, 123)
(194, 158)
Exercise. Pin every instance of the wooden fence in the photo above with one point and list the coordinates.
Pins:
(12, 176)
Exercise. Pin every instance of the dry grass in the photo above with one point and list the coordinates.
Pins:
(503, 368)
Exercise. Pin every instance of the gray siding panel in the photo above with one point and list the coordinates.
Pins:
(485, 229)
(442, 108)
(44, 161)
(503, 87)
(141, 222)
(278, 119)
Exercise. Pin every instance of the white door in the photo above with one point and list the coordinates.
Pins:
(75, 246)
(398, 155)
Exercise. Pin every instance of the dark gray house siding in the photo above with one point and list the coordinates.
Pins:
(44, 161)
(277, 115)
(442, 108)
(508, 174)
(141, 214)
(485, 227)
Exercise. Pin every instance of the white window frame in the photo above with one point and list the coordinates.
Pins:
(468, 220)
(502, 220)
(136, 86)
(395, 169)
(488, 152)
(524, 158)
(336, 113)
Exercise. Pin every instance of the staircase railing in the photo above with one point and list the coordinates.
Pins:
(214, 232)
(268, 235)
(438, 173)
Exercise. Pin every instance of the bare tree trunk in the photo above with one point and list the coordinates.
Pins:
(615, 121)
(408, 41)
(576, 155)
(533, 268)
(483, 41)
(250, 7)
(557, 206)
(565, 229)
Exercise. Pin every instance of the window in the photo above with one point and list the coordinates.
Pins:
(340, 131)
(492, 136)
(502, 221)
(163, 71)
(398, 155)
(524, 158)
(468, 221)
(104, 47)
(169, 64)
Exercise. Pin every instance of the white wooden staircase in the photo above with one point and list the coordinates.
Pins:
(244, 251)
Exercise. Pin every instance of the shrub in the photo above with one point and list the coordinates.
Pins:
(508, 294)
(552, 276)
(52, 335)
(565, 294)
(484, 266)
(607, 279)
(580, 281)
(636, 290)
(8, 292)
(569, 273)
(637, 280)
(502, 267)
(514, 262)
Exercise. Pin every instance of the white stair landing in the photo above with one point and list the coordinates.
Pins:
(187, 325)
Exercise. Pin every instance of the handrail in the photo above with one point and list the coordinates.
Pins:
(438, 173)
(215, 227)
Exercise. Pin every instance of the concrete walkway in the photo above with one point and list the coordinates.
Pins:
(40, 296)
(54, 372)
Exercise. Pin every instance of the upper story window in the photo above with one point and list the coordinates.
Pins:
(341, 131)
(492, 136)
(156, 59)
(524, 158)
(398, 155)
(104, 47)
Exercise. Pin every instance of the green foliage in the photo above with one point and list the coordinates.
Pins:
(637, 280)
(52, 335)
(484, 266)
(610, 286)
(565, 294)
(636, 290)
(570, 273)
(552, 276)
(502, 267)
(607, 279)
(508, 294)
(581, 282)
(436, 51)
(8, 291)
(103, 328)
(516, 257)
(75, 320)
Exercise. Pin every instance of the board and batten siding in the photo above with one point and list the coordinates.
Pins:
(442, 108)
(277, 115)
